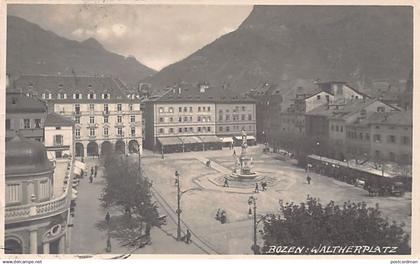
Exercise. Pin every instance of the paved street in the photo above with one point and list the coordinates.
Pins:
(87, 238)
(200, 206)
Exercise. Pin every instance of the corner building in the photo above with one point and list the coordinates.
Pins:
(106, 117)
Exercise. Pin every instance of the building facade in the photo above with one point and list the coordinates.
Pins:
(25, 115)
(189, 117)
(37, 195)
(106, 117)
(59, 137)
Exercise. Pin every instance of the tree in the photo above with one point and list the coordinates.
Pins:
(128, 190)
(312, 225)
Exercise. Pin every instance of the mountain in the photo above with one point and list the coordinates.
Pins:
(33, 50)
(277, 44)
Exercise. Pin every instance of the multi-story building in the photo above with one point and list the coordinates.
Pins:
(105, 116)
(37, 198)
(25, 115)
(326, 124)
(188, 117)
(58, 133)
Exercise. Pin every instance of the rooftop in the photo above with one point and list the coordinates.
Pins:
(71, 84)
(20, 103)
(187, 92)
(402, 118)
(55, 120)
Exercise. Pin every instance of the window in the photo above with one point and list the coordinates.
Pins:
(105, 119)
(119, 107)
(130, 106)
(92, 107)
(92, 132)
(179, 119)
(208, 108)
(242, 117)
(391, 139)
(119, 119)
(58, 140)
(185, 109)
(37, 123)
(249, 117)
(227, 129)
(171, 109)
(106, 131)
(199, 129)
(185, 118)
(199, 109)
(26, 123)
(190, 118)
(44, 189)
(77, 108)
(106, 108)
(160, 109)
(161, 130)
(191, 129)
(191, 109)
(227, 117)
(341, 128)
(133, 131)
(180, 109)
(220, 117)
(405, 140)
(171, 130)
(185, 129)
(180, 130)
(13, 193)
(377, 138)
(243, 108)
(7, 124)
(105, 96)
(77, 132)
(318, 97)
(208, 129)
(220, 129)
(380, 109)
(367, 136)
(171, 119)
(92, 119)
(198, 118)
(133, 119)
(91, 95)
(119, 131)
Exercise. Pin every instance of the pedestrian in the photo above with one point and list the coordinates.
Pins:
(90, 179)
(91, 171)
(226, 183)
(234, 153)
(308, 179)
(107, 218)
(95, 174)
(188, 236)
(264, 186)
(256, 188)
(218, 214)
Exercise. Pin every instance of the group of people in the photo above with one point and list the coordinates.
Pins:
(263, 187)
(93, 173)
(187, 237)
(221, 216)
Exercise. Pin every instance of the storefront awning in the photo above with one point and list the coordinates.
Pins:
(77, 171)
(80, 165)
(170, 141)
(250, 138)
(210, 139)
(227, 140)
(190, 140)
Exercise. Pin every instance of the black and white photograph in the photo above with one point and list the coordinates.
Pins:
(208, 129)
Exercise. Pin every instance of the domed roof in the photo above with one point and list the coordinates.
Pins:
(25, 156)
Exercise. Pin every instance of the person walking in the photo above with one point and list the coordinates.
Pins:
(256, 188)
(226, 183)
(188, 237)
(107, 218)
(91, 171)
(308, 179)
(95, 173)
(90, 179)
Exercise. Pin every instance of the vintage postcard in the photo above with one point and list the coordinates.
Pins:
(203, 129)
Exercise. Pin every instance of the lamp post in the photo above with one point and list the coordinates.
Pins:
(253, 201)
(178, 210)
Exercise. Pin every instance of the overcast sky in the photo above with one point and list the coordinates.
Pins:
(157, 35)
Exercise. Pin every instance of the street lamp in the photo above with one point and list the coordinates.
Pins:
(253, 201)
(178, 210)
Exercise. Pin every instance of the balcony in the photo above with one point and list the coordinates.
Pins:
(120, 135)
(105, 113)
(92, 137)
(14, 214)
